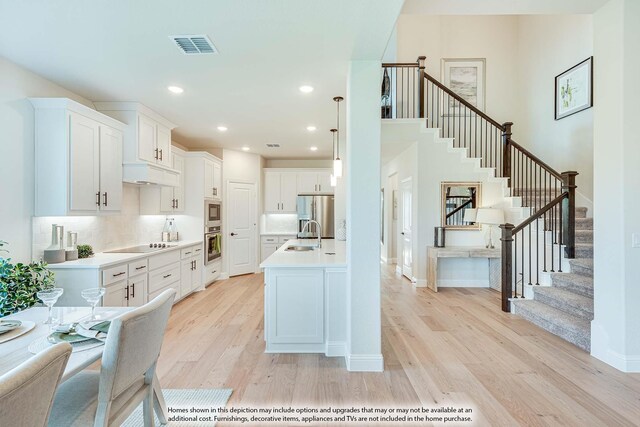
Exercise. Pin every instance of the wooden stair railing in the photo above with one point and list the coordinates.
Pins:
(409, 92)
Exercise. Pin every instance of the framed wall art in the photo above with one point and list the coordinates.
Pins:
(574, 89)
(466, 77)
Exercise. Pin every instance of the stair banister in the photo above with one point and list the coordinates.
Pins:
(569, 213)
(506, 151)
(421, 62)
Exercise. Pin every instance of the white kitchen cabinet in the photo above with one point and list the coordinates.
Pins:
(295, 306)
(212, 179)
(155, 200)
(314, 182)
(271, 243)
(280, 192)
(78, 159)
(191, 270)
(126, 293)
(267, 249)
(147, 156)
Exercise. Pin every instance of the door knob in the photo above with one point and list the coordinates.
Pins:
(233, 234)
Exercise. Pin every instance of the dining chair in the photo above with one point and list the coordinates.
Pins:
(131, 350)
(26, 392)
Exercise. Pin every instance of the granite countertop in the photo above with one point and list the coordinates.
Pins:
(332, 254)
(101, 260)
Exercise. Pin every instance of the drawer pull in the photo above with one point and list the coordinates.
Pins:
(133, 290)
(168, 275)
(141, 267)
(119, 274)
(187, 253)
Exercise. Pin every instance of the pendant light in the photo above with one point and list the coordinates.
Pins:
(334, 179)
(337, 163)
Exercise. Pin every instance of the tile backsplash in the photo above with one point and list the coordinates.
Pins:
(104, 232)
(279, 223)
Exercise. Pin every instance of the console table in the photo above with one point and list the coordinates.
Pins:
(493, 255)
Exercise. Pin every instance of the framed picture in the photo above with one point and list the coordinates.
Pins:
(466, 77)
(574, 89)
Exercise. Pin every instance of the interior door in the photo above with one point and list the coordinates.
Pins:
(407, 220)
(242, 228)
(84, 161)
(110, 169)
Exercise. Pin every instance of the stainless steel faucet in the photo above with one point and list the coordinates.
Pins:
(319, 230)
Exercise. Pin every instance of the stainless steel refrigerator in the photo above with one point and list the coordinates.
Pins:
(319, 208)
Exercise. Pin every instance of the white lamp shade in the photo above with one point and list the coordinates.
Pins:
(490, 216)
(334, 180)
(337, 168)
(470, 215)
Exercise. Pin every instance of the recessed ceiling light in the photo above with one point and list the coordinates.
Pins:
(314, 148)
(311, 128)
(246, 148)
(306, 89)
(175, 89)
(222, 128)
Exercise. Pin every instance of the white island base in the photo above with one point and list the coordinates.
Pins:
(305, 299)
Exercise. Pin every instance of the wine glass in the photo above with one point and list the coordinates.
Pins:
(93, 296)
(49, 297)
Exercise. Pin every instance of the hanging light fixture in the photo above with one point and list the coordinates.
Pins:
(334, 179)
(337, 163)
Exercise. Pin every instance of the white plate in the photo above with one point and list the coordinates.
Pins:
(26, 326)
(9, 325)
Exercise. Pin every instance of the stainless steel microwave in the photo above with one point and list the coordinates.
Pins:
(213, 213)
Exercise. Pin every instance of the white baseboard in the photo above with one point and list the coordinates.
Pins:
(600, 350)
(392, 261)
(398, 269)
(384, 259)
(365, 362)
(223, 276)
(420, 283)
(455, 283)
(336, 349)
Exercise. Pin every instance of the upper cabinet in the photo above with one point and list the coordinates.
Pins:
(280, 191)
(147, 155)
(155, 199)
(315, 182)
(212, 179)
(78, 159)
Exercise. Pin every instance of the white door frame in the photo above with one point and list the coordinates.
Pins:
(407, 270)
(226, 224)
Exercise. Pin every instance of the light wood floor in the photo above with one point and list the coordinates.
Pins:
(455, 346)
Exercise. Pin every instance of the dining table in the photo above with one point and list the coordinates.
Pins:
(16, 350)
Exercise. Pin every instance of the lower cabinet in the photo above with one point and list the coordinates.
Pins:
(190, 275)
(212, 271)
(127, 293)
(271, 243)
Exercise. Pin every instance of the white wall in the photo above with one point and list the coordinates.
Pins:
(615, 330)
(523, 55)
(547, 46)
(16, 152)
(298, 163)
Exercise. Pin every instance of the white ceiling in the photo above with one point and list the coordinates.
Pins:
(501, 7)
(120, 51)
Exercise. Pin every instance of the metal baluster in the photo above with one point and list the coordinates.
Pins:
(561, 240)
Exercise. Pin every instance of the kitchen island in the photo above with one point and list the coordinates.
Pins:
(305, 306)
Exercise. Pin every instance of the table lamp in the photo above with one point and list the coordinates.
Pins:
(470, 215)
(491, 217)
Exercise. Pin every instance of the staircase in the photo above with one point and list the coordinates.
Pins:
(547, 256)
(566, 307)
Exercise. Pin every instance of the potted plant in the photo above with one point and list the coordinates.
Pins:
(20, 282)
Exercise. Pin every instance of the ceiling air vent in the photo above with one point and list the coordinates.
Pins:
(273, 145)
(194, 45)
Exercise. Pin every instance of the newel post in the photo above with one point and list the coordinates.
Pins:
(569, 213)
(506, 152)
(421, 77)
(507, 266)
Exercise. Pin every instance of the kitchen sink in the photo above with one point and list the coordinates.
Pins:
(300, 248)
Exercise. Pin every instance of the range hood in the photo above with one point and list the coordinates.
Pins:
(145, 173)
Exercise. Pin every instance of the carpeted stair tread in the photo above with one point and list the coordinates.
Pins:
(582, 266)
(562, 299)
(584, 236)
(568, 327)
(581, 224)
(577, 283)
(584, 250)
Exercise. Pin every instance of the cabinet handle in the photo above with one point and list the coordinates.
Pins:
(127, 296)
(98, 199)
(133, 290)
(176, 203)
(160, 154)
(106, 200)
(168, 275)
(173, 203)
(141, 267)
(319, 187)
(119, 274)
(156, 157)
(215, 191)
(187, 253)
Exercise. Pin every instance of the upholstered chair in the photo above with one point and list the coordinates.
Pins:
(126, 375)
(26, 392)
